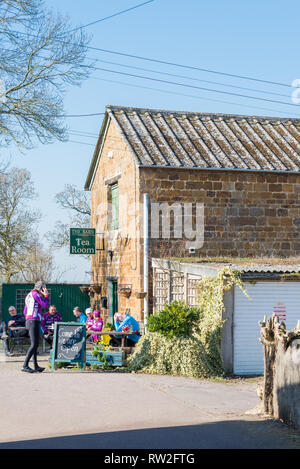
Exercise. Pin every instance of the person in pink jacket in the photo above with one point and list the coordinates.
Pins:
(37, 299)
(89, 322)
(97, 325)
(90, 318)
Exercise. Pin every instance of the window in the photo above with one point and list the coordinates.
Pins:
(113, 200)
(20, 299)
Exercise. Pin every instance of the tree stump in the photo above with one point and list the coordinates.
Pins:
(282, 370)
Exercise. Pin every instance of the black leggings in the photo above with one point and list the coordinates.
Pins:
(33, 328)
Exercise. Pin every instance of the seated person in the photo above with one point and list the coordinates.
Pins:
(126, 323)
(97, 325)
(47, 320)
(4, 337)
(89, 320)
(14, 320)
(80, 317)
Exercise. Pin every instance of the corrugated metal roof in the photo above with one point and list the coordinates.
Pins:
(268, 268)
(212, 268)
(209, 141)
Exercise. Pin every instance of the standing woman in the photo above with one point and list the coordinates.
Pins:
(34, 302)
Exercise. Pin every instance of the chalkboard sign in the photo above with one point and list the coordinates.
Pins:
(68, 343)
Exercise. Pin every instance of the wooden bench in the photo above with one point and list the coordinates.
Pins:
(21, 341)
(109, 357)
(114, 356)
(17, 340)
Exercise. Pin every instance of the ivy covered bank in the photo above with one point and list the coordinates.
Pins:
(187, 341)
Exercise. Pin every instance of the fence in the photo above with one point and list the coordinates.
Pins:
(170, 285)
(64, 296)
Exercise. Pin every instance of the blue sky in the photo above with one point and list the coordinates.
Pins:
(258, 39)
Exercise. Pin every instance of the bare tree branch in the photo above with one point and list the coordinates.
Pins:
(37, 63)
(73, 199)
(77, 203)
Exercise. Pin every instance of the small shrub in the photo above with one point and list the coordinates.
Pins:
(99, 352)
(109, 326)
(175, 320)
(95, 367)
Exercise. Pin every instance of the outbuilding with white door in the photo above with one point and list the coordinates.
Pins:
(266, 297)
(270, 289)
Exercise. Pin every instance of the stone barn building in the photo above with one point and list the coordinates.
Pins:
(187, 184)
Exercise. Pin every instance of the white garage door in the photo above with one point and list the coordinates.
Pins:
(282, 298)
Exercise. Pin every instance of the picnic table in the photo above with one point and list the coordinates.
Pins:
(122, 334)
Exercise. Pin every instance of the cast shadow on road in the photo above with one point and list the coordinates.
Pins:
(237, 434)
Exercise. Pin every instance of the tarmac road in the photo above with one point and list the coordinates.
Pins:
(111, 410)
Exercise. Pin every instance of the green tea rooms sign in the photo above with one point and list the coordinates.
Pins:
(82, 241)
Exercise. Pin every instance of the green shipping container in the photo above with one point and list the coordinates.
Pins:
(64, 296)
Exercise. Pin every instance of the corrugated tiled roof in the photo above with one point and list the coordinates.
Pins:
(209, 141)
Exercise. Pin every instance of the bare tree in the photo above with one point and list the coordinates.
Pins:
(17, 221)
(76, 202)
(39, 57)
(35, 263)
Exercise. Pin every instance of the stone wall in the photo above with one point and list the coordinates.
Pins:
(246, 214)
(117, 165)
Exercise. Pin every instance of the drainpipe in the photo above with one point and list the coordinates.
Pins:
(146, 258)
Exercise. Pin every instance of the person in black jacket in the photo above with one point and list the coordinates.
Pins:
(4, 337)
(14, 320)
